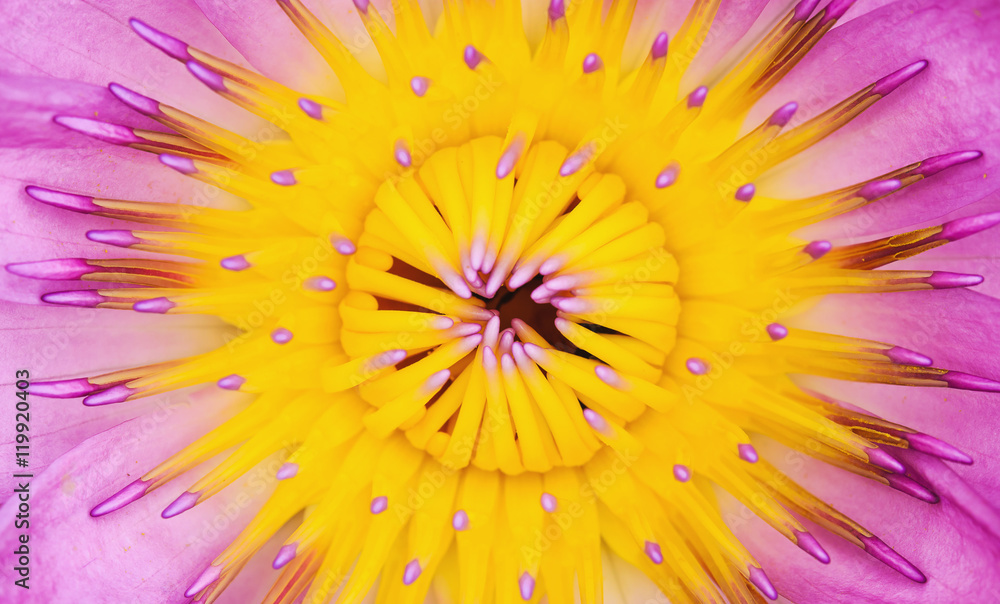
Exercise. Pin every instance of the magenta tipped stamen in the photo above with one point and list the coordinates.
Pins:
(168, 44)
(111, 396)
(811, 546)
(777, 331)
(697, 97)
(282, 336)
(412, 572)
(117, 238)
(133, 492)
(285, 555)
(682, 473)
(287, 470)
(660, 46)
(654, 552)
(231, 382)
(592, 63)
(746, 192)
(747, 453)
(158, 306)
(235, 263)
(185, 502)
(379, 504)
(761, 582)
(946, 280)
(817, 249)
(284, 178)
(696, 366)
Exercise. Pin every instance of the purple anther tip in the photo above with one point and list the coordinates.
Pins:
(235, 263)
(946, 280)
(668, 175)
(697, 97)
(419, 85)
(747, 453)
(285, 178)
(817, 249)
(914, 489)
(63, 269)
(133, 492)
(320, 284)
(207, 577)
(811, 546)
(783, 115)
(654, 552)
(65, 201)
(596, 421)
(905, 356)
(402, 155)
(412, 572)
(116, 134)
(63, 388)
(285, 555)
(231, 382)
(746, 192)
(281, 336)
(682, 473)
(157, 306)
(966, 381)
(140, 103)
(379, 504)
(472, 57)
(877, 549)
(286, 471)
(557, 9)
(527, 586)
(185, 502)
(898, 78)
(926, 443)
(777, 331)
(206, 76)
(592, 63)
(660, 46)
(573, 164)
(609, 376)
(970, 225)
(343, 245)
(878, 188)
(804, 9)
(460, 521)
(885, 461)
(696, 366)
(86, 298)
(835, 10)
(184, 165)
(168, 44)
(362, 5)
(933, 165)
(508, 159)
(549, 502)
(311, 108)
(760, 580)
(115, 237)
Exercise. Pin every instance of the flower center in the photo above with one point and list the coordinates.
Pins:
(469, 267)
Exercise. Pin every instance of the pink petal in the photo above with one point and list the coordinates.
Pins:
(55, 343)
(94, 44)
(956, 328)
(131, 555)
(949, 547)
(949, 107)
(283, 55)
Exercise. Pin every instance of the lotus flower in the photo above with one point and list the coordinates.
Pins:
(501, 301)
